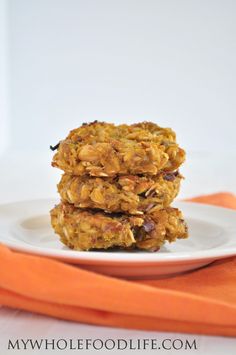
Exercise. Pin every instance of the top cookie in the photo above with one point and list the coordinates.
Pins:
(103, 149)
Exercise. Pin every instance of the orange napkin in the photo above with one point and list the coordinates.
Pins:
(203, 301)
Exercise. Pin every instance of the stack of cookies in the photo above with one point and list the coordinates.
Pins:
(117, 187)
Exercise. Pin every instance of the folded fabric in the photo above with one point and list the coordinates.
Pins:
(203, 301)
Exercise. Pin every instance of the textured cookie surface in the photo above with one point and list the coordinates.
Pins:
(103, 149)
(86, 230)
(131, 194)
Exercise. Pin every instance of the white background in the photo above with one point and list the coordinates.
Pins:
(66, 62)
(169, 61)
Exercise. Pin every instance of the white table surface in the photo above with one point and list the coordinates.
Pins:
(29, 176)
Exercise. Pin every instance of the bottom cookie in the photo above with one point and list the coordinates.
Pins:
(88, 230)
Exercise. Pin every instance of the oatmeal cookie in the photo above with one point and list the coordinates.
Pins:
(131, 194)
(103, 149)
(88, 230)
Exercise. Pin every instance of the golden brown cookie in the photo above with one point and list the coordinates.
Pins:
(131, 194)
(103, 149)
(86, 230)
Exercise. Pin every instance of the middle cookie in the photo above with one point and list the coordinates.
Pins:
(131, 194)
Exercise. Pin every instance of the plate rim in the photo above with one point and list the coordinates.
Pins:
(98, 257)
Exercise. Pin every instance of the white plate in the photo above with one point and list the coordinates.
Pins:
(25, 226)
